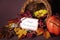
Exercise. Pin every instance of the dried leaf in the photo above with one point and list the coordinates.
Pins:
(13, 20)
(20, 32)
(39, 31)
(47, 34)
(1, 36)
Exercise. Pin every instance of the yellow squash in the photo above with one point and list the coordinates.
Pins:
(40, 13)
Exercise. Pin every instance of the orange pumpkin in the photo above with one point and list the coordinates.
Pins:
(53, 25)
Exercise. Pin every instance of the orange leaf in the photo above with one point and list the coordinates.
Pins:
(39, 31)
(47, 34)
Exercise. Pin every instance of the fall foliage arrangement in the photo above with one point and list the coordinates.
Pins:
(47, 23)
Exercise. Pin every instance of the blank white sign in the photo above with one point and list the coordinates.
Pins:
(29, 24)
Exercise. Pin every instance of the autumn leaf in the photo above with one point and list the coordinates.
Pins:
(13, 20)
(39, 31)
(20, 32)
(47, 34)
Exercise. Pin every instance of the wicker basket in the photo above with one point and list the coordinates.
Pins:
(42, 2)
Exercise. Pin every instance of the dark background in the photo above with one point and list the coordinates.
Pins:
(10, 8)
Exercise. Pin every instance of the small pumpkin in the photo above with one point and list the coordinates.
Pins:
(53, 25)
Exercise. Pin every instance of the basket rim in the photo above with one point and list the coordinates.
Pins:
(45, 2)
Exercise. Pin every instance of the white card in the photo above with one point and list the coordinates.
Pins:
(29, 24)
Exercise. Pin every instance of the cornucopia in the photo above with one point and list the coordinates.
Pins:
(31, 10)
